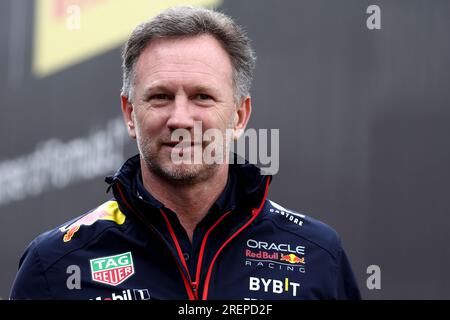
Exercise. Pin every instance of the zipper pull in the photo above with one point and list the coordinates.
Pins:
(194, 288)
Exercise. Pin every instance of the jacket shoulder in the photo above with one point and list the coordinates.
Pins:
(303, 226)
(77, 233)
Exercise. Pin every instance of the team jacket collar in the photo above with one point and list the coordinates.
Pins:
(245, 185)
(242, 200)
(225, 202)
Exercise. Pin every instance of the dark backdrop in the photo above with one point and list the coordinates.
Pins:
(364, 119)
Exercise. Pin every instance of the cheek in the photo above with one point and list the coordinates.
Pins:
(150, 123)
(219, 118)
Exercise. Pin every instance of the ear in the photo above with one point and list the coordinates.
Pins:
(127, 111)
(242, 116)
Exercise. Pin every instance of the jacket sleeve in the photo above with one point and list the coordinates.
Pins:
(347, 287)
(30, 281)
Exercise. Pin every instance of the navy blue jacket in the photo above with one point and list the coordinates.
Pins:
(134, 248)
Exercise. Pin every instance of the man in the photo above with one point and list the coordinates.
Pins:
(186, 230)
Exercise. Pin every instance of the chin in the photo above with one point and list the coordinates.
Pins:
(181, 173)
(188, 173)
(161, 164)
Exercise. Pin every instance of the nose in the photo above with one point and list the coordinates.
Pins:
(180, 116)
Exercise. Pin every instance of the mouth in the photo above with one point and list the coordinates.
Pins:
(180, 145)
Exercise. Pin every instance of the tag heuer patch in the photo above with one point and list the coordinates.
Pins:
(112, 270)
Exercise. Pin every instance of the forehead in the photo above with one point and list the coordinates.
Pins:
(201, 57)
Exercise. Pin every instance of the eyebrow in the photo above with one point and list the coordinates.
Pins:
(163, 88)
(206, 88)
(151, 89)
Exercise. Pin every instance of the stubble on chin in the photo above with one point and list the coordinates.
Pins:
(162, 165)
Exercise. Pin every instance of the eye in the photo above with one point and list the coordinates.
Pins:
(159, 96)
(202, 96)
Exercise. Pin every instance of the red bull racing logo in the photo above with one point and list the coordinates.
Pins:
(107, 211)
(279, 256)
(292, 258)
(261, 255)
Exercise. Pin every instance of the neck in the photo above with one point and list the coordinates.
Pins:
(190, 202)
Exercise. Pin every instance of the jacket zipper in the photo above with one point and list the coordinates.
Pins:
(203, 245)
(255, 213)
(195, 283)
(187, 283)
(192, 286)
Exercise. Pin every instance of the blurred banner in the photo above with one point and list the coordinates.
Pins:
(70, 31)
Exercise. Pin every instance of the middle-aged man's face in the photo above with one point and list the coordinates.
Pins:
(179, 81)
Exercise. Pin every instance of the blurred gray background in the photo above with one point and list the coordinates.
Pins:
(364, 119)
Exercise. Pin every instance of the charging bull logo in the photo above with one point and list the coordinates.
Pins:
(292, 258)
(107, 211)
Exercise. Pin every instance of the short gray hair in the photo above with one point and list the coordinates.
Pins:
(189, 21)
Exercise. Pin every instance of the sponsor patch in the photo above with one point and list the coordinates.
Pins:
(129, 294)
(112, 270)
(275, 286)
(276, 256)
(294, 217)
(107, 211)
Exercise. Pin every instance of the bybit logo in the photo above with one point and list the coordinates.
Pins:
(274, 286)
